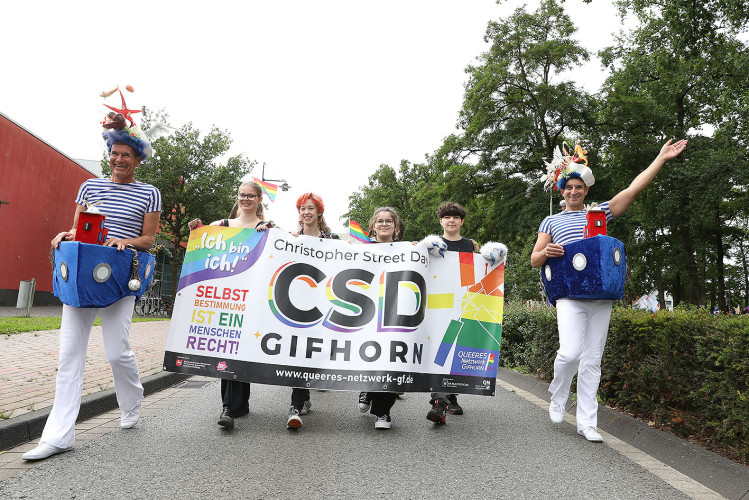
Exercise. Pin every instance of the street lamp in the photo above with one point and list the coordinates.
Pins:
(284, 186)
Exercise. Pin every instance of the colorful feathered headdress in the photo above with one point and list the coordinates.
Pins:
(565, 166)
(115, 129)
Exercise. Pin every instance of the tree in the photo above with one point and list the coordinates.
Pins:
(194, 183)
(683, 70)
(518, 106)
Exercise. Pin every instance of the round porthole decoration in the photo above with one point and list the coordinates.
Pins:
(64, 271)
(102, 272)
(547, 272)
(579, 261)
(147, 272)
(617, 256)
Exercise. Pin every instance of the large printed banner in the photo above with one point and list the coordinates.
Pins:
(272, 308)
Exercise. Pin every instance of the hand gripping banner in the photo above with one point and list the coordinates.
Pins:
(272, 308)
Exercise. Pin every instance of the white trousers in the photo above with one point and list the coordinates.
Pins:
(583, 327)
(74, 334)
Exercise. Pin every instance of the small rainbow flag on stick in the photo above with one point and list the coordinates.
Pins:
(356, 232)
(269, 189)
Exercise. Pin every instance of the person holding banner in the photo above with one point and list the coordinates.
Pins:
(311, 223)
(583, 324)
(384, 227)
(248, 212)
(132, 212)
(451, 216)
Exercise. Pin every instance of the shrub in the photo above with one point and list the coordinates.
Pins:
(685, 370)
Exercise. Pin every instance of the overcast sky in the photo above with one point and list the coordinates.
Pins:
(321, 91)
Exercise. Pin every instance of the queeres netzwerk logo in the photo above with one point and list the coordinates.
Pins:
(179, 362)
(221, 366)
(475, 338)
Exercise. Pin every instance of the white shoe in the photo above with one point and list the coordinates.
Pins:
(42, 451)
(130, 418)
(591, 434)
(294, 421)
(556, 413)
(383, 422)
(306, 407)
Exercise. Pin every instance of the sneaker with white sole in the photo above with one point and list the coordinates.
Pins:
(306, 407)
(591, 434)
(364, 402)
(130, 418)
(383, 422)
(294, 421)
(556, 413)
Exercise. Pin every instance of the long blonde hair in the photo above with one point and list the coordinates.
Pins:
(260, 209)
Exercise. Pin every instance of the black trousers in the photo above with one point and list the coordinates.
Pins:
(382, 402)
(236, 395)
(298, 397)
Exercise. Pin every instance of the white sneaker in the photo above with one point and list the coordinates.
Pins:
(556, 413)
(43, 450)
(130, 418)
(591, 434)
(294, 421)
(383, 422)
(306, 407)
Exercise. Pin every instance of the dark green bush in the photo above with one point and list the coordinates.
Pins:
(685, 370)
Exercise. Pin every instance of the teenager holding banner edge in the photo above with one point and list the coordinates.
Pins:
(384, 227)
(311, 223)
(452, 216)
(248, 212)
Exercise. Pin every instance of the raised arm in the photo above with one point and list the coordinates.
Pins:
(621, 202)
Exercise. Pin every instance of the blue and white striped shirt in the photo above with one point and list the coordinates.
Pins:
(567, 227)
(124, 205)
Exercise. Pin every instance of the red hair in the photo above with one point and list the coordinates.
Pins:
(317, 201)
(314, 199)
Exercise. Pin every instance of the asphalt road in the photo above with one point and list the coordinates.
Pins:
(503, 447)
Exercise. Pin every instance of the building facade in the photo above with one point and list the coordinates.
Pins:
(38, 186)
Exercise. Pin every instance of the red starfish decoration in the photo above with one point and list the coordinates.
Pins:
(125, 112)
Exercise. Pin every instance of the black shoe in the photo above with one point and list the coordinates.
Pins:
(226, 420)
(437, 414)
(454, 408)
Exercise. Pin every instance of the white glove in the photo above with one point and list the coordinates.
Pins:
(495, 252)
(435, 245)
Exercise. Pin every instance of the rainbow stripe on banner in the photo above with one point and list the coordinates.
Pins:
(356, 232)
(269, 189)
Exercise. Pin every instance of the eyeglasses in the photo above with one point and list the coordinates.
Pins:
(243, 196)
(383, 222)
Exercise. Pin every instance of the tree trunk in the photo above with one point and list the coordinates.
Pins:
(742, 251)
(677, 289)
(690, 266)
(719, 263)
(176, 260)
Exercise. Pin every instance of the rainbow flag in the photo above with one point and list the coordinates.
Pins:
(269, 189)
(357, 233)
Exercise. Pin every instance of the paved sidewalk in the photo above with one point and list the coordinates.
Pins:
(28, 367)
(103, 423)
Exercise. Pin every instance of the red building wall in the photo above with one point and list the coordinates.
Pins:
(40, 184)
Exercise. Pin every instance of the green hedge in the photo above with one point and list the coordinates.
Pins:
(687, 371)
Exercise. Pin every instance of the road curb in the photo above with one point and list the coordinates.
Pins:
(718, 473)
(28, 427)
